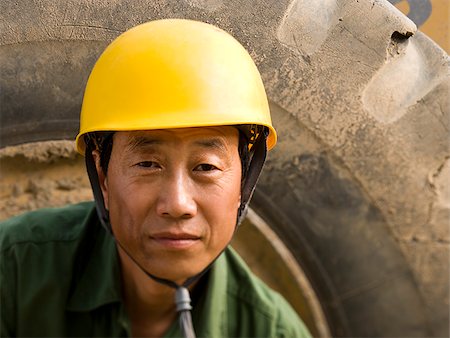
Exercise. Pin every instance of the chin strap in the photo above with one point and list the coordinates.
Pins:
(102, 213)
(256, 163)
(182, 296)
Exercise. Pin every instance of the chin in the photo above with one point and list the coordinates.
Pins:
(178, 273)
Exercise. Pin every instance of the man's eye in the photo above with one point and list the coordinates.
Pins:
(205, 167)
(147, 164)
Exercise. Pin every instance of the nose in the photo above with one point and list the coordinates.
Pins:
(176, 198)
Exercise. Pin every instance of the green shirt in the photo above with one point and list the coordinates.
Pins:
(60, 276)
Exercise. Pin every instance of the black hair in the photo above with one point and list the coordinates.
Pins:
(105, 150)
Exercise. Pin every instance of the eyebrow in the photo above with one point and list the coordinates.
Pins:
(137, 142)
(212, 143)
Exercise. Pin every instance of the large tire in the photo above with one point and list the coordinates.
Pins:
(354, 188)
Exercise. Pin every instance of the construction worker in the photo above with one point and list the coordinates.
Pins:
(175, 127)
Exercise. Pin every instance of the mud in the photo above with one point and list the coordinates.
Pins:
(41, 175)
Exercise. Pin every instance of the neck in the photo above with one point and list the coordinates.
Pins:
(150, 305)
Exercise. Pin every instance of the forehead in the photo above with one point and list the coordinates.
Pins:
(223, 137)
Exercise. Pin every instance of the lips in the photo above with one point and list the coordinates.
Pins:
(174, 235)
(175, 240)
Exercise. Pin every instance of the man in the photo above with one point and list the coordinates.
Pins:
(174, 127)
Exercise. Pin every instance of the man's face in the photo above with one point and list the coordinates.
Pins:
(173, 196)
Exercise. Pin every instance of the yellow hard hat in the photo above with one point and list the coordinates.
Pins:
(173, 73)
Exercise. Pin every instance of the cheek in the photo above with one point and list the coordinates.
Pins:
(127, 206)
(221, 212)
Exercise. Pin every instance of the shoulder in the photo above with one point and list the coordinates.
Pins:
(265, 308)
(37, 258)
(45, 225)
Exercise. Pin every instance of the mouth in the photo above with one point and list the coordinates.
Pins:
(175, 240)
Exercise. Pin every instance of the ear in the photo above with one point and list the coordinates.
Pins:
(102, 178)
